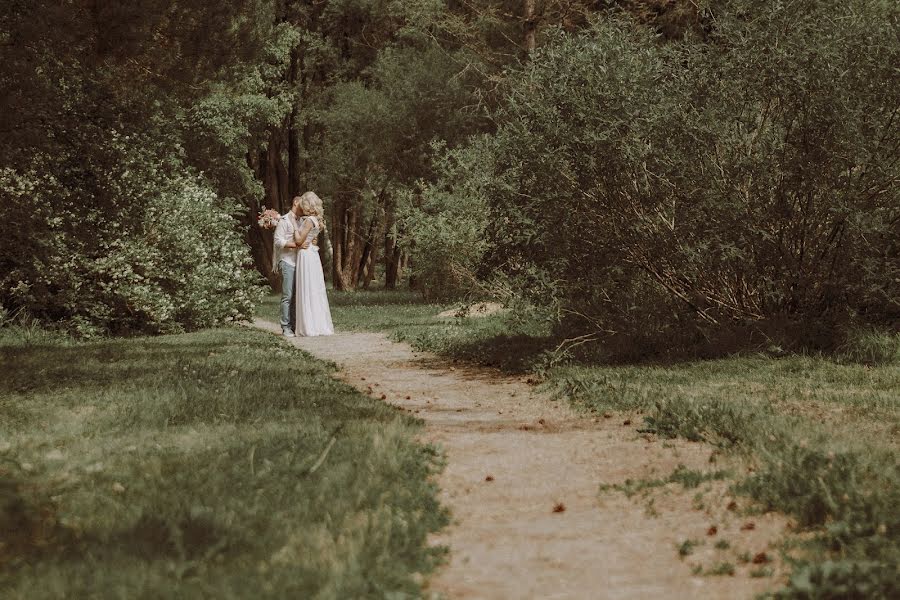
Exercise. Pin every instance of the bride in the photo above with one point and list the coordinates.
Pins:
(313, 313)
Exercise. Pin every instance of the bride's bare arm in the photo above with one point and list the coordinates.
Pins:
(301, 234)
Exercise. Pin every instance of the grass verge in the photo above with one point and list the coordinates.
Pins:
(221, 464)
(818, 435)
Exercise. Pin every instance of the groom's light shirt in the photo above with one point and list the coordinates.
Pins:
(284, 234)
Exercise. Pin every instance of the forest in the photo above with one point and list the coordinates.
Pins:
(635, 169)
(685, 215)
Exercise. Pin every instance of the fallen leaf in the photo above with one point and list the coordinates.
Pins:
(559, 507)
(118, 488)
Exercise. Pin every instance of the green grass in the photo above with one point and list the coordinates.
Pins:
(221, 464)
(688, 478)
(820, 435)
(379, 310)
(686, 548)
(723, 568)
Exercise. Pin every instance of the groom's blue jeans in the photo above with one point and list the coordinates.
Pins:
(288, 306)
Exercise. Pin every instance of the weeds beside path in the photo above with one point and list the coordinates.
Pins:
(218, 464)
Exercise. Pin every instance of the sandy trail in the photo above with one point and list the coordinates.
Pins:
(506, 541)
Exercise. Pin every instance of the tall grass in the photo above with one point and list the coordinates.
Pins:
(217, 464)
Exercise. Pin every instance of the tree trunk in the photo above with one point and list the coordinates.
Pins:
(261, 244)
(405, 263)
(338, 227)
(365, 261)
(391, 250)
(348, 249)
(351, 245)
(293, 135)
(273, 173)
(377, 236)
(530, 24)
(270, 170)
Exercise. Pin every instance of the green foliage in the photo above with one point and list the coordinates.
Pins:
(687, 478)
(747, 179)
(715, 421)
(151, 254)
(723, 568)
(448, 225)
(842, 580)
(124, 155)
(871, 347)
(686, 548)
(182, 466)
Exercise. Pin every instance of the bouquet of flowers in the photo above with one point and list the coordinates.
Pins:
(268, 218)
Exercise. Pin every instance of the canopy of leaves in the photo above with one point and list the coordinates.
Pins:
(747, 178)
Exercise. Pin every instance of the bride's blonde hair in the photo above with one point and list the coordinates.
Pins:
(312, 205)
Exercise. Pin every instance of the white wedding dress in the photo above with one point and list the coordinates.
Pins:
(313, 313)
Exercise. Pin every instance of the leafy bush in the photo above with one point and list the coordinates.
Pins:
(714, 421)
(842, 580)
(130, 244)
(871, 347)
(125, 146)
(745, 180)
(847, 497)
(449, 227)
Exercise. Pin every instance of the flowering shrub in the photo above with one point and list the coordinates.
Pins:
(142, 247)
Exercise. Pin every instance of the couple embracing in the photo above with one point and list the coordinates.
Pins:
(304, 303)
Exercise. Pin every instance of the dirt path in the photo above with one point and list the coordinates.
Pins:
(515, 456)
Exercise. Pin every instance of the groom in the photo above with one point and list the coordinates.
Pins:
(284, 259)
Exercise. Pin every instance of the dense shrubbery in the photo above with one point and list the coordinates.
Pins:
(448, 222)
(137, 249)
(123, 155)
(748, 180)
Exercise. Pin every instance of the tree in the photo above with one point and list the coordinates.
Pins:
(116, 113)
